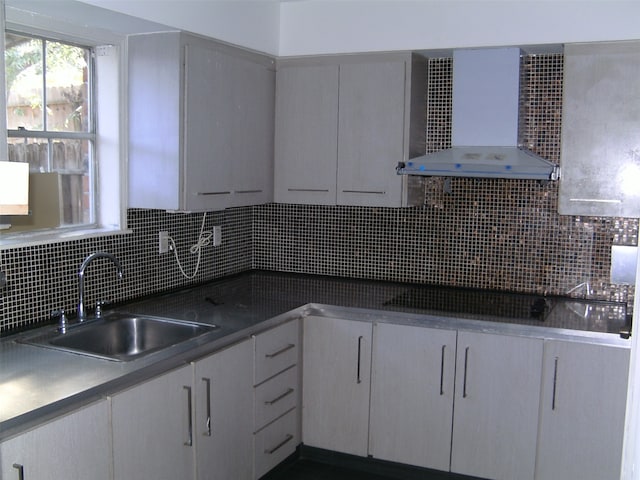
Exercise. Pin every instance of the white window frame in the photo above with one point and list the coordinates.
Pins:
(111, 129)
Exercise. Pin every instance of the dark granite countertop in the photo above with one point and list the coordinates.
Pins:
(255, 296)
(37, 384)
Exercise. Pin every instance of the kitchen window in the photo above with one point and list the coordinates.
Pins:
(63, 102)
(50, 121)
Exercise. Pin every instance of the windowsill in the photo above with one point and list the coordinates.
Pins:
(19, 240)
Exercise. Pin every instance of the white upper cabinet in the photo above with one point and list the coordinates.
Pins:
(343, 124)
(200, 124)
(601, 120)
(306, 134)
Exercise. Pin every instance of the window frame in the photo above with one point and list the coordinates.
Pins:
(52, 135)
(110, 124)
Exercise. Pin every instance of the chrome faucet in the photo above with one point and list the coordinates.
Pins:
(85, 264)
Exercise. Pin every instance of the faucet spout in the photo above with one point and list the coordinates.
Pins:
(83, 267)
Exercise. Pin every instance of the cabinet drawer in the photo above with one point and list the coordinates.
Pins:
(276, 396)
(276, 350)
(276, 442)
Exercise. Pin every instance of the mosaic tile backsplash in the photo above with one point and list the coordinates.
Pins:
(481, 233)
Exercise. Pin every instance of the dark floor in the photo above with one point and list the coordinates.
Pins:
(315, 464)
(304, 469)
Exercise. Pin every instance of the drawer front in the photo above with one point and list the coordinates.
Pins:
(276, 350)
(276, 396)
(276, 442)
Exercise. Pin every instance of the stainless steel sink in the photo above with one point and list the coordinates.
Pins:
(120, 336)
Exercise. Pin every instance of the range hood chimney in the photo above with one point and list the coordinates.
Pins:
(486, 97)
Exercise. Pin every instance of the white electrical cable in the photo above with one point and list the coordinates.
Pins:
(204, 239)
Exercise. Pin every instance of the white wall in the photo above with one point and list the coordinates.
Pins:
(247, 23)
(320, 26)
(308, 27)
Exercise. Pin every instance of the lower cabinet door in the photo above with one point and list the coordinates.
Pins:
(152, 426)
(337, 377)
(583, 411)
(224, 414)
(495, 418)
(74, 447)
(412, 383)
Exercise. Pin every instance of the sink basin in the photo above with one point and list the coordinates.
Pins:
(121, 337)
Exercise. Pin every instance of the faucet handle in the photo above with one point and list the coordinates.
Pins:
(63, 322)
(99, 305)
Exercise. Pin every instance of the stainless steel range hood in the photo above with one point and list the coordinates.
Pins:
(486, 96)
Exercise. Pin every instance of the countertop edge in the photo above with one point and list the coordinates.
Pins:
(191, 352)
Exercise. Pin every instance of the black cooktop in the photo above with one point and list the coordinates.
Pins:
(476, 302)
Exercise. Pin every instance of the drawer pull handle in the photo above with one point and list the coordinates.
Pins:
(281, 351)
(189, 441)
(279, 397)
(207, 381)
(555, 379)
(20, 469)
(271, 451)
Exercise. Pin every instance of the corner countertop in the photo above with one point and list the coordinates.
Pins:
(38, 384)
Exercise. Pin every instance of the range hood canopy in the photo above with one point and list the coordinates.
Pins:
(486, 97)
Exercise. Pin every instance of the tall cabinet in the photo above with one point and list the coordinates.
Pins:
(200, 124)
(342, 126)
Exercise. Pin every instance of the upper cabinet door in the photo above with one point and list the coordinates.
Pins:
(201, 124)
(252, 93)
(208, 144)
(371, 133)
(306, 134)
(600, 153)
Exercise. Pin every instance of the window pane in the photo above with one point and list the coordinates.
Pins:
(67, 77)
(66, 180)
(34, 151)
(24, 82)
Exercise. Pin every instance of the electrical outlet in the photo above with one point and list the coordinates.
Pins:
(163, 242)
(217, 236)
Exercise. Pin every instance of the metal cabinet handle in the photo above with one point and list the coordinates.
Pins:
(442, 371)
(359, 380)
(20, 469)
(270, 451)
(248, 191)
(189, 441)
(555, 380)
(320, 190)
(279, 397)
(281, 351)
(464, 381)
(207, 381)
(370, 192)
(212, 193)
